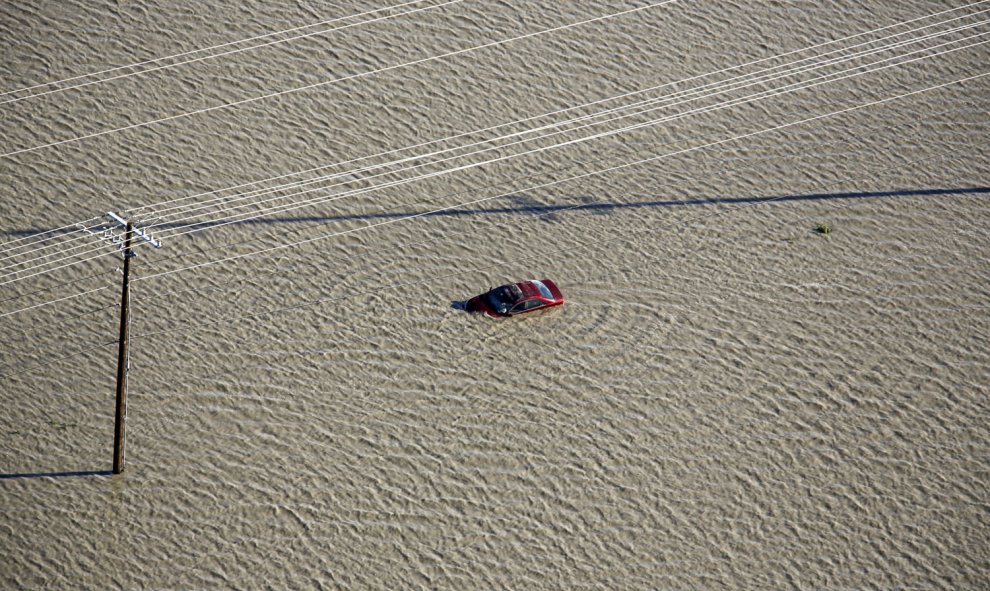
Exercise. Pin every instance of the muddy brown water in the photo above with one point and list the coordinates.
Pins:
(728, 399)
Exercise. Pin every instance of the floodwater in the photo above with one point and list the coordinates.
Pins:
(728, 399)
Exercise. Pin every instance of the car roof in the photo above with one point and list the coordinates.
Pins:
(528, 289)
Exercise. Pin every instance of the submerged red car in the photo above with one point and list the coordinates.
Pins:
(517, 298)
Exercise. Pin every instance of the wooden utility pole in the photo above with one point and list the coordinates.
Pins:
(122, 360)
(121, 414)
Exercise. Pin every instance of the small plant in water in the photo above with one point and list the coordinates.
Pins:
(823, 229)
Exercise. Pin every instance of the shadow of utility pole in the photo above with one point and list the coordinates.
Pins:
(57, 474)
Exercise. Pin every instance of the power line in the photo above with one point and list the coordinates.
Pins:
(384, 212)
(637, 339)
(492, 185)
(141, 212)
(54, 287)
(37, 238)
(406, 245)
(284, 246)
(327, 82)
(624, 236)
(597, 136)
(81, 232)
(735, 102)
(208, 57)
(696, 90)
(728, 104)
(758, 201)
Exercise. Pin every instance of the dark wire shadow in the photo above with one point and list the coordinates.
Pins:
(56, 474)
(530, 206)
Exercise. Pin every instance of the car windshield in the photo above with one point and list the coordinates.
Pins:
(502, 298)
(544, 290)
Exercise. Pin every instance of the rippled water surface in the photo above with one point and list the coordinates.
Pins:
(728, 399)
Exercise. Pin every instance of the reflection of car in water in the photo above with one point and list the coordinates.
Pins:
(517, 298)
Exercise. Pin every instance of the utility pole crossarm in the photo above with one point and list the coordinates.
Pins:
(137, 231)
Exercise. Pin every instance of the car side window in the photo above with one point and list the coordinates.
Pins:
(527, 305)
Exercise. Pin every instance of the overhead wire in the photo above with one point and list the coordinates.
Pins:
(158, 213)
(55, 301)
(10, 244)
(454, 53)
(332, 81)
(384, 213)
(213, 223)
(141, 211)
(693, 219)
(695, 77)
(38, 238)
(405, 245)
(563, 209)
(248, 254)
(532, 175)
(549, 213)
(637, 343)
(213, 56)
(597, 136)
(766, 94)
(54, 287)
(84, 231)
(648, 328)
(625, 235)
